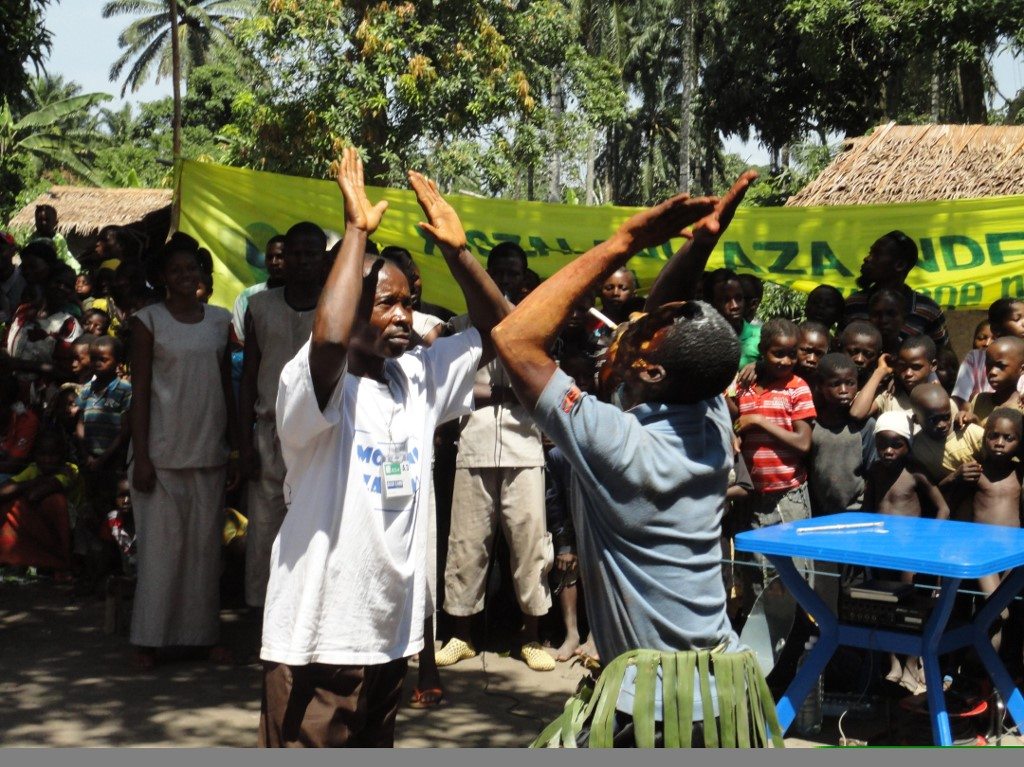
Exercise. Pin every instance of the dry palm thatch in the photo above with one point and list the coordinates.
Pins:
(907, 163)
(83, 211)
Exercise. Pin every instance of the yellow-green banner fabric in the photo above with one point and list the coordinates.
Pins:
(971, 251)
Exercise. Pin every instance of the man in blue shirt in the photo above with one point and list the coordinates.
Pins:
(649, 485)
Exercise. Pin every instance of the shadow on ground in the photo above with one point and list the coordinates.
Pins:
(64, 682)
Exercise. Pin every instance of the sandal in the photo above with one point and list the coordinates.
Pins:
(536, 657)
(426, 698)
(454, 651)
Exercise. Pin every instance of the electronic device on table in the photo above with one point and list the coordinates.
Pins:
(885, 604)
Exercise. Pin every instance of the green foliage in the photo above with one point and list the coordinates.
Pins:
(23, 40)
(52, 138)
(577, 100)
(403, 80)
(789, 68)
(139, 145)
(781, 301)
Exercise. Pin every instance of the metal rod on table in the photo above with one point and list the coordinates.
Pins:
(830, 528)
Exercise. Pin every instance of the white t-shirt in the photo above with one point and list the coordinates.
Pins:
(348, 569)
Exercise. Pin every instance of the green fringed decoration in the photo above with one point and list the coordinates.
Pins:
(670, 704)
(643, 699)
(704, 681)
(739, 670)
(745, 704)
(727, 703)
(686, 664)
(602, 726)
(762, 705)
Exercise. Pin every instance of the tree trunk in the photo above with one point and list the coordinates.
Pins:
(591, 192)
(707, 176)
(972, 92)
(176, 91)
(686, 99)
(555, 163)
(936, 86)
(611, 172)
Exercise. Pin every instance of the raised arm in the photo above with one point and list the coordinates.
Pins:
(679, 278)
(339, 300)
(486, 306)
(864, 406)
(524, 338)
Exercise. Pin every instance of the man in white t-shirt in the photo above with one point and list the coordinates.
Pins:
(356, 414)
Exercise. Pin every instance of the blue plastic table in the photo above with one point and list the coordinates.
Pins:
(951, 550)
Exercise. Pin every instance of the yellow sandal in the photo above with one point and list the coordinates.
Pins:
(454, 651)
(536, 657)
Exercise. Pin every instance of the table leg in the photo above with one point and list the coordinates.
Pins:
(930, 637)
(814, 665)
(994, 605)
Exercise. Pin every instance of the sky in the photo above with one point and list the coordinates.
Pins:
(85, 47)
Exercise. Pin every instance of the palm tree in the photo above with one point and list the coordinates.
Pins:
(204, 31)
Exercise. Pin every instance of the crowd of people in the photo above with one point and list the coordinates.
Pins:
(609, 447)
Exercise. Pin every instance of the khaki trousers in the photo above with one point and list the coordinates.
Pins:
(482, 499)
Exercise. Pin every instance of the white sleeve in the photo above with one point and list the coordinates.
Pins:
(452, 363)
(299, 418)
(238, 315)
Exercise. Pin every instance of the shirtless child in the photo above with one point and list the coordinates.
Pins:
(998, 493)
(1004, 365)
(894, 486)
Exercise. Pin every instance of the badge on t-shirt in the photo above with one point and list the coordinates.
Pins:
(396, 479)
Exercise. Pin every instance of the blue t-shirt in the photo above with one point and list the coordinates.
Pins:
(647, 499)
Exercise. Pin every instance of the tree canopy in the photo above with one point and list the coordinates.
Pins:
(596, 101)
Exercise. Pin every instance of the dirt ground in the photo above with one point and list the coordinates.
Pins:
(65, 682)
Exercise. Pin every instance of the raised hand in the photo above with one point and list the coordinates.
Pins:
(653, 226)
(359, 213)
(443, 222)
(710, 228)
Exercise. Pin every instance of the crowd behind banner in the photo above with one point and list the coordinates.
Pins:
(135, 411)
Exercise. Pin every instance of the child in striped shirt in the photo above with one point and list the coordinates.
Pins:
(103, 420)
(775, 416)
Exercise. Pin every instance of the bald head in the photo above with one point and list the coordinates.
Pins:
(1004, 364)
(1008, 345)
(932, 409)
(929, 395)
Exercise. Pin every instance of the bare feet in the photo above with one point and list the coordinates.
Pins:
(568, 648)
(895, 669)
(587, 650)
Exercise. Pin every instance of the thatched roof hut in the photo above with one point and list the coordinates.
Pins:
(908, 163)
(83, 211)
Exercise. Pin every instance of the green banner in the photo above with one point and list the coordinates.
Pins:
(971, 251)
